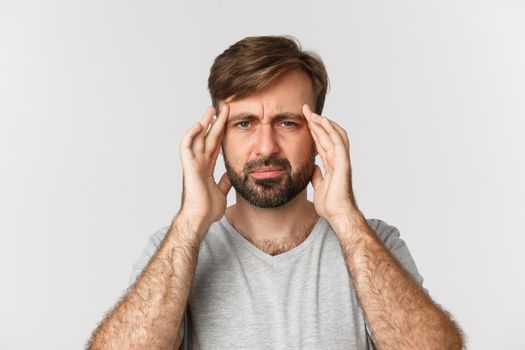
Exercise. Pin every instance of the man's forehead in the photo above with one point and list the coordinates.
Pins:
(287, 94)
(262, 109)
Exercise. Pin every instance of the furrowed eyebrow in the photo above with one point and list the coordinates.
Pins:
(240, 116)
(276, 118)
(283, 116)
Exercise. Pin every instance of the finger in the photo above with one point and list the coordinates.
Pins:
(317, 177)
(214, 156)
(218, 146)
(325, 141)
(188, 138)
(307, 111)
(198, 144)
(330, 139)
(225, 184)
(342, 132)
(320, 149)
(314, 128)
(337, 140)
(216, 131)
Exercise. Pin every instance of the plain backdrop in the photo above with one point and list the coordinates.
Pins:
(96, 95)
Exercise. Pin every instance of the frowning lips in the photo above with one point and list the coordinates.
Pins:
(267, 169)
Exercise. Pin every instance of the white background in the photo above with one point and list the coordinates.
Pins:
(96, 95)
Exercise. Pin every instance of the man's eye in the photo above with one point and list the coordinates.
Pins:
(289, 124)
(244, 124)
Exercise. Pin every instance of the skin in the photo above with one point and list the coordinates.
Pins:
(273, 230)
(151, 311)
(400, 314)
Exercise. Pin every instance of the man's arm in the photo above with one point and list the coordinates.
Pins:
(400, 314)
(150, 314)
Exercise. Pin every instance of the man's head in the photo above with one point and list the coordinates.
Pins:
(268, 151)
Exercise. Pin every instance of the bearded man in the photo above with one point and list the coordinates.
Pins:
(274, 270)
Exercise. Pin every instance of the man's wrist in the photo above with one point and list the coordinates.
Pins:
(188, 228)
(349, 222)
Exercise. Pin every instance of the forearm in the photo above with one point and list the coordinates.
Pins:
(399, 313)
(150, 314)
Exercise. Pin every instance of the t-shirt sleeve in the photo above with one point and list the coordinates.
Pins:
(391, 239)
(149, 250)
(390, 236)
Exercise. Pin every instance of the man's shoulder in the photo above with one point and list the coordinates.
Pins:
(387, 233)
(157, 237)
(390, 237)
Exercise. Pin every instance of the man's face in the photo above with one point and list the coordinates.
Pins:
(268, 151)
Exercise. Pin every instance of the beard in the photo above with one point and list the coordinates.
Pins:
(273, 192)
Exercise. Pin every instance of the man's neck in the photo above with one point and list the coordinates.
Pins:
(274, 230)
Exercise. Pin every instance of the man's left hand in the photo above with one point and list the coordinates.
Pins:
(333, 195)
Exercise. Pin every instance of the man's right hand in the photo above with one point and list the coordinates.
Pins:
(202, 198)
(139, 322)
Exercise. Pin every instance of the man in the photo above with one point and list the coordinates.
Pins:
(274, 270)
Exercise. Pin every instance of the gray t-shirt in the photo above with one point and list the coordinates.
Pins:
(244, 298)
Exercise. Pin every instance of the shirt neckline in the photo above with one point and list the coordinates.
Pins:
(319, 227)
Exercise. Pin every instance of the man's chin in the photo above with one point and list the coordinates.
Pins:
(270, 191)
(265, 194)
(267, 184)
(266, 203)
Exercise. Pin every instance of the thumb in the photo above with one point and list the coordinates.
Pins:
(317, 177)
(225, 184)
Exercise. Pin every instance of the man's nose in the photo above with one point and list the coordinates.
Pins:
(266, 143)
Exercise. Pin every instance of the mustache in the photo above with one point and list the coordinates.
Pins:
(266, 162)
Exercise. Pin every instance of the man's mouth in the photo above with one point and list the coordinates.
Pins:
(267, 172)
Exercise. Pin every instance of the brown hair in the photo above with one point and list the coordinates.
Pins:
(254, 63)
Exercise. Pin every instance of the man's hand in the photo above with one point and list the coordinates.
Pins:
(333, 196)
(400, 314)
(202, 198)
(150, 315)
